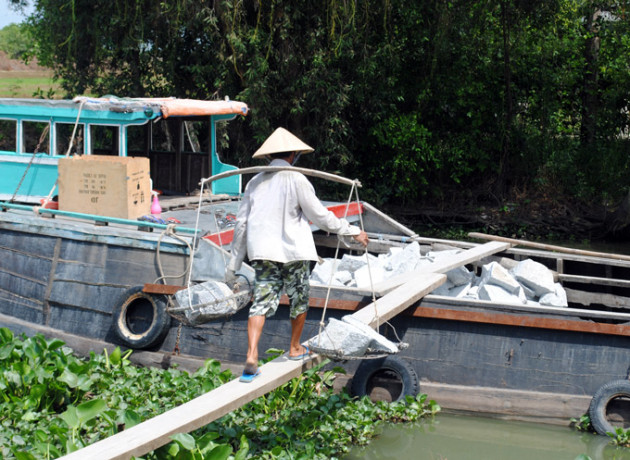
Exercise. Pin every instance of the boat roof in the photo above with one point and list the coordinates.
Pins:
(151, 107)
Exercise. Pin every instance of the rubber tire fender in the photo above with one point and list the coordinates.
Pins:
(401, 368)
(160, 319)
(599, 404)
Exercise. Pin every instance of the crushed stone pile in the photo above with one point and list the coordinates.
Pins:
(526, 282)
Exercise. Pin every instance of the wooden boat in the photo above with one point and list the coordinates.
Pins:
(99, 279)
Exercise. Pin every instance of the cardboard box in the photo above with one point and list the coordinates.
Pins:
(105, 186)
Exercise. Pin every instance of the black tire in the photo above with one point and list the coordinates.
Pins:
(610, 404)
(391, 373)
(140, 320)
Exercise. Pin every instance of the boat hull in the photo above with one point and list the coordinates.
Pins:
(512, 361)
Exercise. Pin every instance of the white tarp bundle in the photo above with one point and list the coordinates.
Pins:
(526, 282)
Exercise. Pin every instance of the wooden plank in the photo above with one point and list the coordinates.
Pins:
(512, 404)
(522, 321)
(165, 289)
(435, 300)
(399, 299)
(442, 265)
(597, 298)
(335, 304)
(594, 280)
(532, 406)
(155, 432)
(549, 247)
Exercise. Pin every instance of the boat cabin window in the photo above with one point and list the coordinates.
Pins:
(137, 140)
(35, 137)
(164, 135)
(63, 134)
(196, 136)
(8, 135)
(104, 140)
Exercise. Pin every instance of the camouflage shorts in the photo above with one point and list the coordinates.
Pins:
(271, 277)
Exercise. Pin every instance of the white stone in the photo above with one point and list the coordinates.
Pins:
(207, 301)
(535, 276)
(443, 289)
(460, 276)
(435, 255)
(339, 337)
(321, 272)
(473, 293)
(386, 258)
(353, 263)
(497, 294)
(494, 273)
(529, 294)
(423, 261)
(368, 276)
(351, 337)
(558, 298)
(460, 291)
(342, 277)
(405, 260)
(378, 343)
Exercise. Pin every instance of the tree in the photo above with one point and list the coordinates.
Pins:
(428, 101)
(16, 41)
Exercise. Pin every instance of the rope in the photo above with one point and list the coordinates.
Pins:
(336, 353)
(170, 231)
(334, 267)
(28, 166)
(74, 131)
(367, 259)
(192, 255)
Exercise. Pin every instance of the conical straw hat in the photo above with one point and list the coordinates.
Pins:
(282, 140)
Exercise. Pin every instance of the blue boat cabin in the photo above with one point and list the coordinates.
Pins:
(179, 136)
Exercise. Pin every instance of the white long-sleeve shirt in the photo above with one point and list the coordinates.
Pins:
(273, 219)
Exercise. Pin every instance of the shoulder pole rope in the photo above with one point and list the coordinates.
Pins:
(329, 287)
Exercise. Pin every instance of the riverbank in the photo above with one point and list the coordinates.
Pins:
(22, 80)
(534, 218)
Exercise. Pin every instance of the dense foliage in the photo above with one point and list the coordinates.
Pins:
(428, 102)
(16, 41)
(54, 403)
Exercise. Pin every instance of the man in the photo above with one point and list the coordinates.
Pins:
(273, 230)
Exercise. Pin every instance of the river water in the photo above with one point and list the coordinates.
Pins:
(455, 437)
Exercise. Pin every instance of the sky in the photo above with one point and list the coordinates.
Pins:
(8, 15)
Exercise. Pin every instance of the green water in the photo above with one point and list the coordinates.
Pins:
(453, 437)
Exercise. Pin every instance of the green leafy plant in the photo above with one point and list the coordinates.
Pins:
(620, 437)
(582, 424)
(54, 403)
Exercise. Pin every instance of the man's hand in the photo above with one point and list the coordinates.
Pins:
(362, 238)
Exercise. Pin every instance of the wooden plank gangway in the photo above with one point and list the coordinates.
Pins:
(157, 431)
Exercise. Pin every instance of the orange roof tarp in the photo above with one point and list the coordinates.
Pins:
(171, 107)
(179, 107)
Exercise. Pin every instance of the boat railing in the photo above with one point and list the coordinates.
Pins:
(141, 224)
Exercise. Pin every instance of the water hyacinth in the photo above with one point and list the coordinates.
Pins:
(54, 403)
